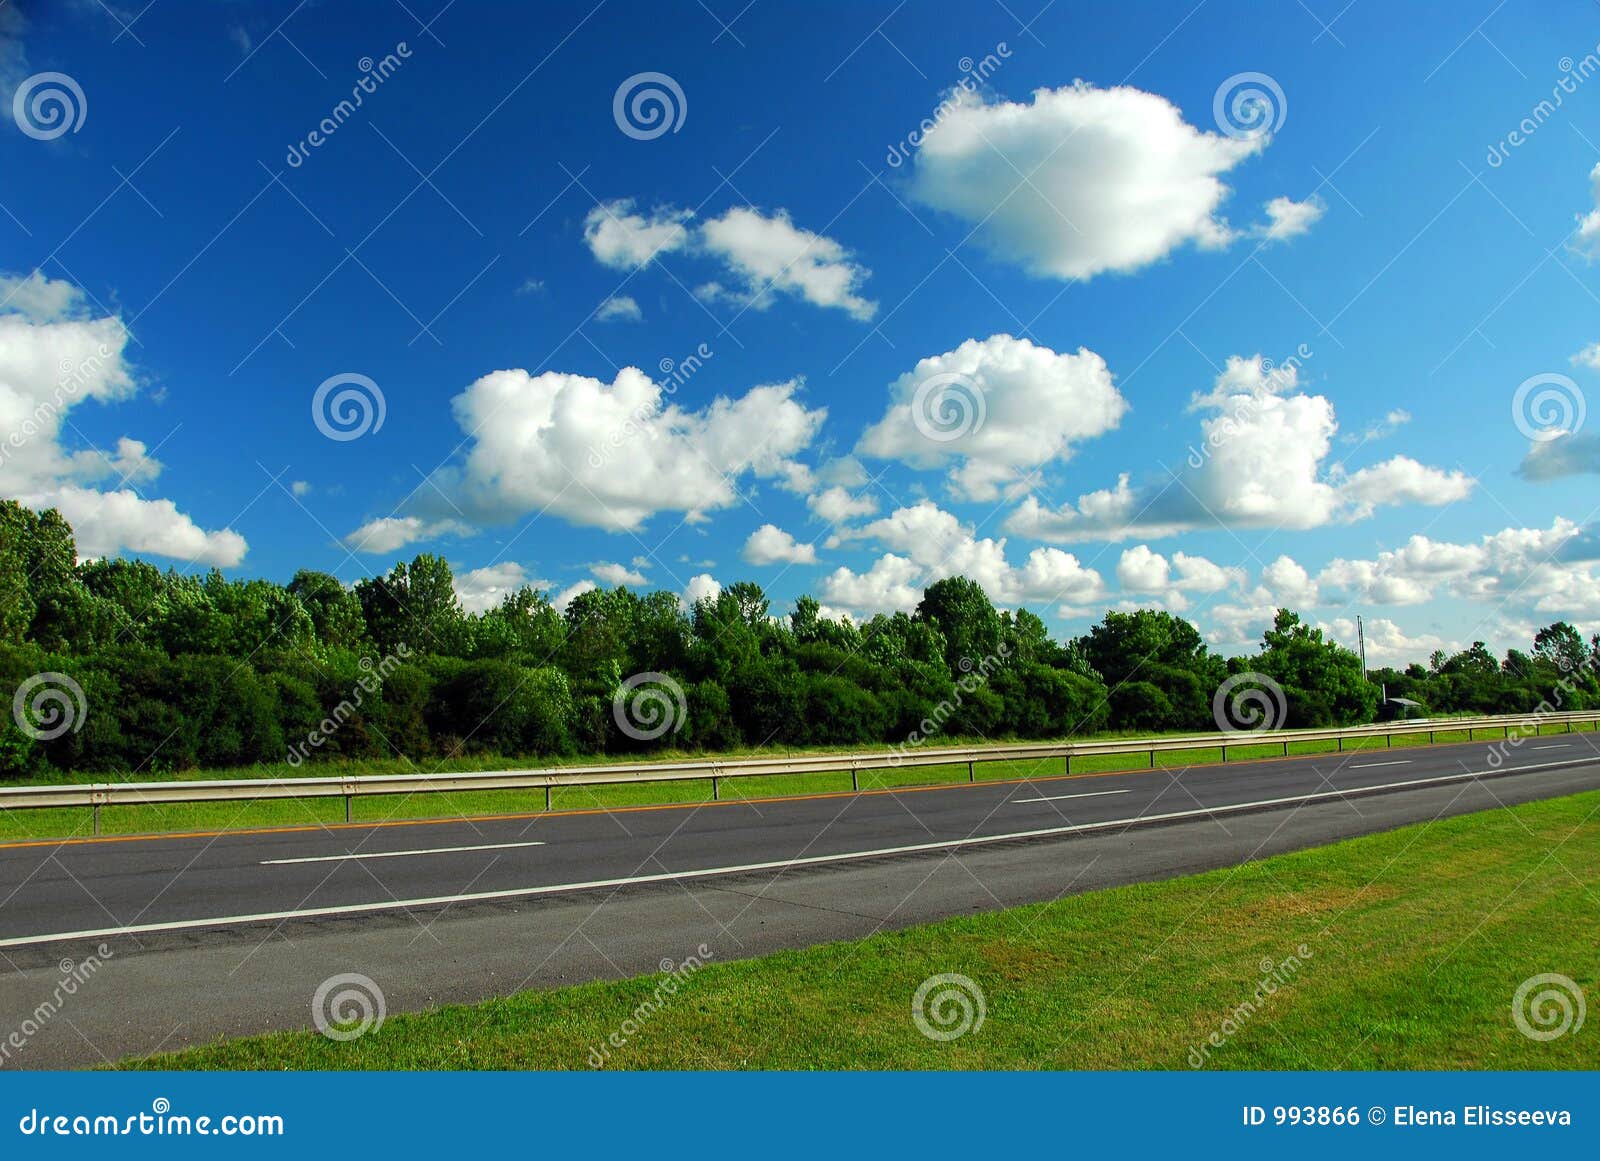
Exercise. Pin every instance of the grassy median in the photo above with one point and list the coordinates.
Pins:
(1397, 950)
(29, 825)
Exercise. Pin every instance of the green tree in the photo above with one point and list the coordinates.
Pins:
(335, 611)
(1323, 682)
(964, 616)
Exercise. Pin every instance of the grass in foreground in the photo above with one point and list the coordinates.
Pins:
(25, 825)
(1417, 940)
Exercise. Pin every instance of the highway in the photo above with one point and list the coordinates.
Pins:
(221, 934)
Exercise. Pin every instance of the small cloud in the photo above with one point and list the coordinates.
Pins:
(300, 488)
(620, 306)
(1588, 357)
(531, 286)
(617, 574)
(770, 544)
(1287, 218)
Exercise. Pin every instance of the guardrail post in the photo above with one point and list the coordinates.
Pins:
(1224, 751)
(1152, 759)
(347, 808)
(716, 792)
(1341, 743)
(97, 819)
(1286, 748)
(972, 775)
(547, 798)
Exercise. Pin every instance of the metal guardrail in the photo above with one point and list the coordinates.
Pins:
(100, 794)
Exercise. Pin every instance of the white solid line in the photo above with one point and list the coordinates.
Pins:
(775, 865)
(1554, 746)
(1064, 797)
(1370, 765)
(394, 854)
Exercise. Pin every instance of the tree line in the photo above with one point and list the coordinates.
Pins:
(179, 671)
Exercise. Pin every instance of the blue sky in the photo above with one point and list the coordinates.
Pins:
(1088, 257)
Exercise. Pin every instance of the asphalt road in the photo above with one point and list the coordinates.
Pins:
(195, 937)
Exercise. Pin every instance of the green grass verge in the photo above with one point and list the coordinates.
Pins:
(25, 825)
(1415, 942)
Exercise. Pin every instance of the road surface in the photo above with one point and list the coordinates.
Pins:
(199, 936)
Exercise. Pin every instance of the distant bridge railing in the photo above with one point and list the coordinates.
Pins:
(101, 794)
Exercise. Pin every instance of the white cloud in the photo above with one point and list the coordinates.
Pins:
(1565, 455)
(55, 353)
(1588, 357)
(481, 589)
(701, 587)
(106, 523)
(618, 306)
(623, 239)
(1345, 581)
(1586, 239)
(1537, 571)
(1402, 480)
(1197, 574)
(1143, 571)
(1258, 464)
(1287, 218)
(567, 595)
(994, 410)
(763, 254)
(390, 533)
(891, 585)
(1082, 180)
(770, 254)
(39, 298)
(770, 544)
(611, 455)
(836, 505)
(927, 543)
(1289, 585)
(1387, 642)
(300, 487)
(618, 574)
